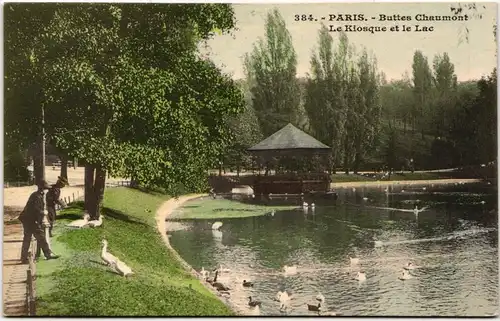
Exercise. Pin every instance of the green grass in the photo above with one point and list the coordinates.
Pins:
(206, 208)
(408, 176)
(342, 178)
(78, 284)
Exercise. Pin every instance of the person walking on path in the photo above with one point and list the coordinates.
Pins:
(53, 198)
(32, 219)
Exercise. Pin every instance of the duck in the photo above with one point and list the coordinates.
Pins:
(312, 307)
(272, 213)
(203, 273)
(105, 255)
(122, 268)
(80, 223)
(247, 284)
(320, 297)
(354, 260)
(354, 189)
(404, 276)
(216, 226)
(218, 285)
(290, 269)
(96, 223)
(424, 188)
(253, 303)
(409, 266)
(361, 276)
(365, 198)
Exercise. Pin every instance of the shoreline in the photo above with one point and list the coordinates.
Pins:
(161, 215)
(444, 181)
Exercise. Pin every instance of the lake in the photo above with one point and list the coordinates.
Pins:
(453, 243)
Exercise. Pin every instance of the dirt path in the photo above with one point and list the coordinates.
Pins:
(161, 215)
(14, 272)
(414, 182)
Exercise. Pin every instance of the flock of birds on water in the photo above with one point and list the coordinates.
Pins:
(283, 297)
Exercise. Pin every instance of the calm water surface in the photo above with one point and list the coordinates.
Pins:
(454, 244)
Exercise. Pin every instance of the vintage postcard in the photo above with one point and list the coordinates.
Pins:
(264, 159)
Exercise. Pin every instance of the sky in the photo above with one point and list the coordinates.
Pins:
(393, 50)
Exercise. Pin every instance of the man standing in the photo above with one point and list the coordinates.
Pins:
(32, 219)
(53, 198)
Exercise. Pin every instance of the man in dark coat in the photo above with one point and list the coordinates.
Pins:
(32, 219)
(53, 198)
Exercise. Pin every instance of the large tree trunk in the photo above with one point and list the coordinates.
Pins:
(94, 190)
(89, 187)
(64, 167)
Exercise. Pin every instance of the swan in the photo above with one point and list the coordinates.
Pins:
(354, 260)
(404, 276)
(253, 303)
(96, 223)
(290, 269)
(204, 273)
(283, 298)
(216, 225)
(80, 223)
(320, 297)
(105, 256)
(218, 285)
(361, 276)
(122, 268)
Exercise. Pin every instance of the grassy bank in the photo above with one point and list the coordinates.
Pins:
(78, 284)
(207, 208)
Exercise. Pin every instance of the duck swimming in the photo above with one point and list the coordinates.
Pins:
(247, 284)
(404, 276)
(312, 307)
(253, 303)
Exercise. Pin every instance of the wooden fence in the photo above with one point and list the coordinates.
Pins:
(30, 280)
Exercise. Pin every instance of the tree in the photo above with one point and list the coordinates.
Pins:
(271, 71)
(422, 85)
(141, 106)
(445, 84)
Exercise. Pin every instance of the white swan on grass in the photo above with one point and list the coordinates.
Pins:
(80, 223)
(96, 223)
(122, 268)
(105, 255)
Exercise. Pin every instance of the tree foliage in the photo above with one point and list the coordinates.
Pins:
(125, 90)
(271, 70)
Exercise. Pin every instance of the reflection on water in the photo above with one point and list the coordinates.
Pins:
(453, 244)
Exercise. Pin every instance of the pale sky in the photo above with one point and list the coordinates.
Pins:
(394, 50)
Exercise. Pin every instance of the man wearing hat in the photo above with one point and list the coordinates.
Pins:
(32, 219)
(53, 198)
